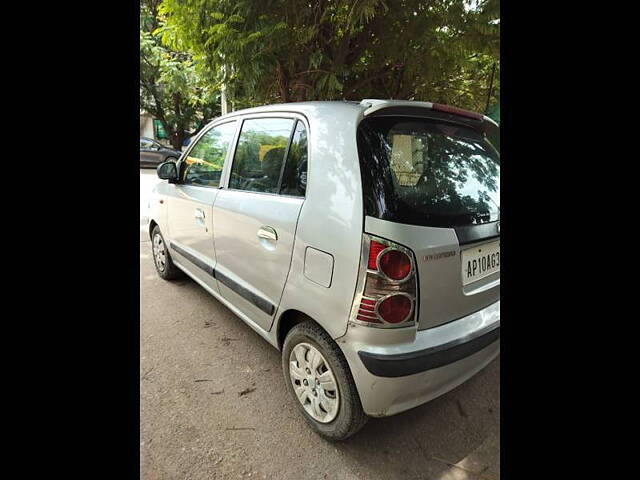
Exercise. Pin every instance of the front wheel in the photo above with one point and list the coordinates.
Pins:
(319, 378)
(161, 258)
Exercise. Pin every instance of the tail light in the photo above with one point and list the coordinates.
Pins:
(395, 308)
(457, 111)
(395, 264)
(387, 285)
(374, 252)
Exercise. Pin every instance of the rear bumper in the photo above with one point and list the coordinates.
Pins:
(395, 370)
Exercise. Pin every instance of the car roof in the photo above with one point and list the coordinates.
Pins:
(296, 107)
(320, 108)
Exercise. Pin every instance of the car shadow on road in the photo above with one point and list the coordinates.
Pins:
(456, 436)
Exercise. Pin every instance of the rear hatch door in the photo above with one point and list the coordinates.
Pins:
(432, 184)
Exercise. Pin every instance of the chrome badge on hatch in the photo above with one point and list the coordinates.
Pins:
(438, 256)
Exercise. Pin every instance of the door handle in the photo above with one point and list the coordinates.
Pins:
(268, 233)
(199, 216)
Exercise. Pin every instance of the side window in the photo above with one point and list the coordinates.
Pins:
(294, 178)
(204, 164)
(144, 143)
(260, 153)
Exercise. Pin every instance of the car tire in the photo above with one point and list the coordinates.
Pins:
(171, 159)
(350, 417)
(161, 258)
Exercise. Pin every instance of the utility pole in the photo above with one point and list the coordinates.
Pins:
(233, 107)
(223, 98)
(223, 92)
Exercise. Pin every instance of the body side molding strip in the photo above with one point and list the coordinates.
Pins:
(193, 259)
(263, 304)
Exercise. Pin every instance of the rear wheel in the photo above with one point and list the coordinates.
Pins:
(319, 378)
(161, 258)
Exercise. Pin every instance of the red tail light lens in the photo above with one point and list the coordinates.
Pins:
(374, 250)
(395, 264)
(395, 309)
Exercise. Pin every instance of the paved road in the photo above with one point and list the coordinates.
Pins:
(195, 359)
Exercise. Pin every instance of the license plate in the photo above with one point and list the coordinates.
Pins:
(479, 262)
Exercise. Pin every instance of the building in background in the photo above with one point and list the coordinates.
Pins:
(146, 125)
(151, 127)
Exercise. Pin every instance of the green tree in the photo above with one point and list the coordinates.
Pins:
(294, 50)
(171, 88)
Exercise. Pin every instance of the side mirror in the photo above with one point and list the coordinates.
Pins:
(168, 171)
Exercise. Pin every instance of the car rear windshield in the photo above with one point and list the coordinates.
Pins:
(429, 173)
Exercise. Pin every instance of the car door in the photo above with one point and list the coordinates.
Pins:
(150, 153)
(190, 203)
(168, 154)
(145, 150)
(256, 216)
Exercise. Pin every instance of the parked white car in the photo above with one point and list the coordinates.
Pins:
(360, 239)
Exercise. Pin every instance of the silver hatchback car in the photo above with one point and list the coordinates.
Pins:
(360, 239)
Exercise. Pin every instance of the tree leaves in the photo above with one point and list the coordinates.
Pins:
(172, 87)
(269, 51)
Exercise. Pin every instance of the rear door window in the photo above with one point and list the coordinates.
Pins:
(429, 173)
(258, 161)
(294, 177)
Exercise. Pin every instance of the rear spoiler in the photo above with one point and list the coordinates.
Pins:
(438, 111)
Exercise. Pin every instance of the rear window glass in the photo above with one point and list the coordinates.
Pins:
(429, 173)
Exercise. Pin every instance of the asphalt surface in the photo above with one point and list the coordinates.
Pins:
(213, 404)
